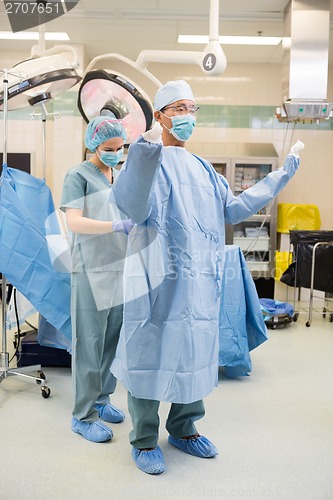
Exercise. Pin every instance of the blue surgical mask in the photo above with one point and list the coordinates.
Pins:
(182, 126)
(111, 158)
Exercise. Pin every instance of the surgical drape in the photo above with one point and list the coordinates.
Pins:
(27, 217)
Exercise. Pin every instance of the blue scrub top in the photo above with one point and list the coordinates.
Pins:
(87, 188)
(100, 256)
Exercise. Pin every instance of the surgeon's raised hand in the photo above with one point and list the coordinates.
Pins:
(122, 226)
(154, 135)
(291, 163)
(296, 148)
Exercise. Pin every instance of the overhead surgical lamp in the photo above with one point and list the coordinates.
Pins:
(40, 78)
(44, 75)
(116, 86)
(109, 94)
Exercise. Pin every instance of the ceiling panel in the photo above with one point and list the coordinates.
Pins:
(129, 26)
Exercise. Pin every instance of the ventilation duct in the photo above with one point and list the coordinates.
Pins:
(305, 61)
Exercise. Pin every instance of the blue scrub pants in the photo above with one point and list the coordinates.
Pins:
(95, 338)
(145, 420)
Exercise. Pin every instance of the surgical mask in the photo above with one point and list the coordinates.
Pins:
(182, 126)
(110, 158)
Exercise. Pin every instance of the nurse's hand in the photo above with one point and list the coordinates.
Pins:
(122, 226)
(154, 135)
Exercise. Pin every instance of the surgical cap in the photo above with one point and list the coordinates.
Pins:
(171, 92)
(101, 129)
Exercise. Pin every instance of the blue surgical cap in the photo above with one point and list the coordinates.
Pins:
(101, 129)
(171, 92)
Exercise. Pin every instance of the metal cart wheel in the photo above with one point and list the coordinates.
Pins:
(324, 312)
(41, 375)
(295, 316)
(46, 391)
(308, 323)
(331, 318)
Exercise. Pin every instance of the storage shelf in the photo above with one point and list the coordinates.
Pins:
(240, 170)
(259, 218)
(254, 265)
(248, 244)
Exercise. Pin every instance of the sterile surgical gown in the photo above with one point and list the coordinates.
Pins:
(169, 343)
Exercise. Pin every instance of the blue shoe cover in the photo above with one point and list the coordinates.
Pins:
(151, 461)
(198, 446)
(93, 431)
(109, 413)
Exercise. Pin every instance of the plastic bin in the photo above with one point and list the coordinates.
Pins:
(282, 262)
(260, 244)
(297, 217)
(257, 265)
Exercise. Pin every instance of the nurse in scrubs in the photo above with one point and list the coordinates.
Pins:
(99, 239)
(168, 346)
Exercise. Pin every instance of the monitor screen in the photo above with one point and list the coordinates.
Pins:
(22, 161)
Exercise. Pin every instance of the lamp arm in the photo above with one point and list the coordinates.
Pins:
(214, 20)
(99, 62)
(57, 49)
(212, 60)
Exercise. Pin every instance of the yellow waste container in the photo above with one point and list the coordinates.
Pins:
(282, 262)
(297, 217)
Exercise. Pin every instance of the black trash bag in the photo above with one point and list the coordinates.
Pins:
(288, 277)
(299, 274)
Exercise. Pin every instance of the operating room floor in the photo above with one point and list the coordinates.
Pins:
(273, 429)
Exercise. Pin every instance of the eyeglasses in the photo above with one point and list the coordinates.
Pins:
(182, 109)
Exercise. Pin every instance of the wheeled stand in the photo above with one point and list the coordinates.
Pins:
(327, 295)
(5, 371)
(24, 374)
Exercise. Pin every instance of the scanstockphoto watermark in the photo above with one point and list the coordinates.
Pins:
(24, 14)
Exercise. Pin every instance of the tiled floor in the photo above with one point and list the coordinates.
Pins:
(273, 429)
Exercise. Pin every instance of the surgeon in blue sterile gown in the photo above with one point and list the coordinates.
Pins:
(169, 344)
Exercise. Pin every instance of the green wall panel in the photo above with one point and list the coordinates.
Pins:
(210, 115)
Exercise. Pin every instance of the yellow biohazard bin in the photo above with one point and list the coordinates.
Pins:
(297, 217)
(282, 262)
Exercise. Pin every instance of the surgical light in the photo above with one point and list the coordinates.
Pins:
(103, 92)
(50, 75)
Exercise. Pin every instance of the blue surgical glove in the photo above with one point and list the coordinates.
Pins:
(122, 226)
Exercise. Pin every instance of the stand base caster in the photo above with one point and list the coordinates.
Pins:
(46, 391)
